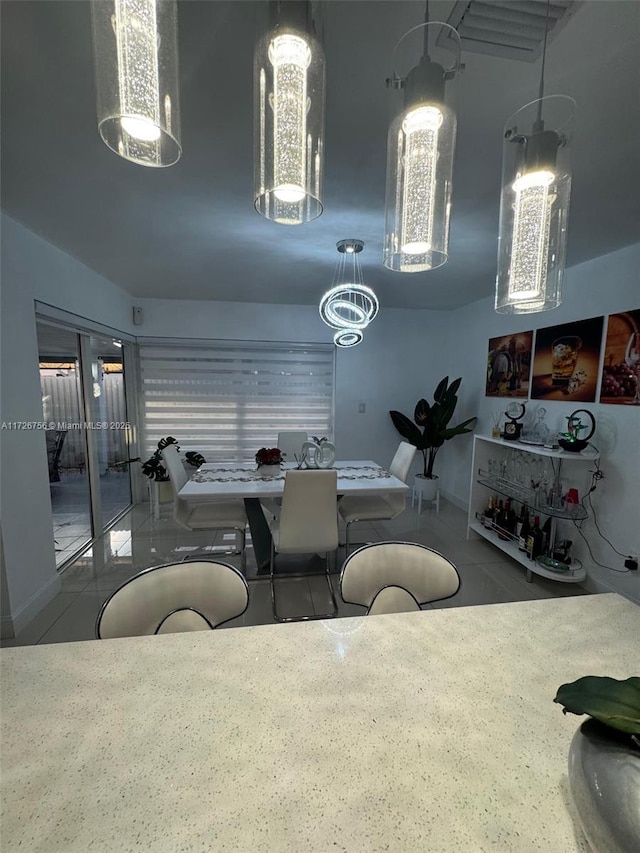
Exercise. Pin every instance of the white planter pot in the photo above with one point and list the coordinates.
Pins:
(428, 486)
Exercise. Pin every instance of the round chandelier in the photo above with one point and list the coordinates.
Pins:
(349, 305)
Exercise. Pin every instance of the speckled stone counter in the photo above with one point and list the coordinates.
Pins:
(431, 731)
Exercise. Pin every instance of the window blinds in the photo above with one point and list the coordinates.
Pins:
(227, 400)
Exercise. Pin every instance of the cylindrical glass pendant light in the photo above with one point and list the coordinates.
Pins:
(136, 65)
(349, 305)
(289, 84)
(534, 207)
(420, 151)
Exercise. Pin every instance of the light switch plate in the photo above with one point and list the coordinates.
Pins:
(362, 408)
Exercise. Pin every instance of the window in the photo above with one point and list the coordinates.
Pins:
(228, 399)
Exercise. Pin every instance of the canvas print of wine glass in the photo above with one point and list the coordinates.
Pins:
(621, 367)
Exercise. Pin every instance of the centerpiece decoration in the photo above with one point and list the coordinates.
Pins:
(269, 456)
(318, 453)
(604, 760)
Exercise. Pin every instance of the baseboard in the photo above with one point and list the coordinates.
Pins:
(19, 620)
(596, 585)
(455, 500)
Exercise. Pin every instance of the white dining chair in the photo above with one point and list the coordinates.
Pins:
(189, 596)
(308, 524)
(290, 444)
(383, 507)
(393, 577)
(214, 515)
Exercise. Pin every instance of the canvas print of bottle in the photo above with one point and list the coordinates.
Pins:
(509, 365)
(621, 366)
(566, 360)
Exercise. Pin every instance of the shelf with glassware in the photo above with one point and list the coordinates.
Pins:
(534, 476)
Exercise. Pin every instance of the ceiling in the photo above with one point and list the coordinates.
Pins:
(190, 231)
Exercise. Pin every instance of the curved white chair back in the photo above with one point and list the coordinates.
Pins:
(309, 517)
(178, 477)
(427, 575)
(290, 444)
(175, 468)
(393, 599)
(191, 596)
(401, 462)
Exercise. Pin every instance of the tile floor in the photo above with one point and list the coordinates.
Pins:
(137, 541)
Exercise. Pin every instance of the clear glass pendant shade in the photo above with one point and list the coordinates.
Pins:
(534, 206)
(420, 151)
(289, 86)
(136, 67)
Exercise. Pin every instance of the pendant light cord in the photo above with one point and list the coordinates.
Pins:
(544, 59)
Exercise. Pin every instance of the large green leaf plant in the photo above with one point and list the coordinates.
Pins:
(431, 428)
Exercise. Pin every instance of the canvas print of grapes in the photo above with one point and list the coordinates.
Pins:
(621, 366)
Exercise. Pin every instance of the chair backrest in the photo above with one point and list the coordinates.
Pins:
(309, 516)
(175, 468)
(190, 596)
(393, 599)
(402, 460)
(427, 575)
(290, 444)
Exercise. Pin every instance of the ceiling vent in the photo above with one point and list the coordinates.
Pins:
(513, 29)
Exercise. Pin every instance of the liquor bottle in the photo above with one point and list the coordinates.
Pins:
(502, 521)
(534, 540)
(497, 517)
(523, 535)
(487, 515)
(520, 520)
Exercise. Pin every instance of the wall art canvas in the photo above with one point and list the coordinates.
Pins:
(566, 360)
(621, 365)
(509, 365)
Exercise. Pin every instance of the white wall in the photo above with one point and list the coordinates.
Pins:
(606, 285)
(390, 369)
(33, 269)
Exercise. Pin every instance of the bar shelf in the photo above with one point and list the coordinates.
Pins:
(523, 495)
(484, 449)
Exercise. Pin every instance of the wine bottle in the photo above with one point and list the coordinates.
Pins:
(534, 540)
(487, 515)
(512, 520)
(524, 530)
(503, 521)
(498, 518)
(546, 536)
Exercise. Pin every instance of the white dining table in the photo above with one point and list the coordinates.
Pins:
(433, 731)
(224, 481)
(233, 480)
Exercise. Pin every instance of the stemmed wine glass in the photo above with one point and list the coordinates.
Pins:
(632, 360)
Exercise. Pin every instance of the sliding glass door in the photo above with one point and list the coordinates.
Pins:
(67, 457)
(111, 431)
(87, 436)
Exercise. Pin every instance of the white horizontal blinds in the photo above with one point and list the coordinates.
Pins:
(228, 400)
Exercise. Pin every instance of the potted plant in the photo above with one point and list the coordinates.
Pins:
(431, 428)
(604, 760)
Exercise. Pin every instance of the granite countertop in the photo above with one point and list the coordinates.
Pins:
(409, 732)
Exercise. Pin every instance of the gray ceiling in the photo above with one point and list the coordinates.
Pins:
(190, 231)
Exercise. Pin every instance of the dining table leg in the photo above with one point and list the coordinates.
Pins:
(260, 534)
